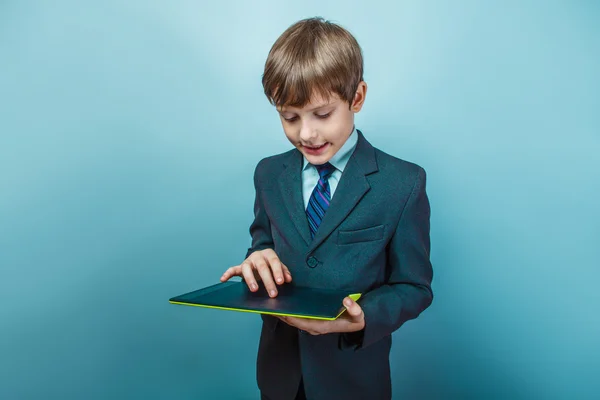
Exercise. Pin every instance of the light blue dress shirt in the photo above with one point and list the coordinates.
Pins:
(310, 175)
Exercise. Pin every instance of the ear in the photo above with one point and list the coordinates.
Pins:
(359, 97)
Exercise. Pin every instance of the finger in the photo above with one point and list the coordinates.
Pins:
(229, 272)
(301, 323)
(286, 273)
(285, 319)
(276, 269)
(247, 272)
(291, 321)
(232, 271)
(256, 276)
(270, 254)
(265, 273)
(314, 327)
(353, 308)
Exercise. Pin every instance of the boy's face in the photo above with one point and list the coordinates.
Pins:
(320, 128)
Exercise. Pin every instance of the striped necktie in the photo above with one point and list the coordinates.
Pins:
(320, 198)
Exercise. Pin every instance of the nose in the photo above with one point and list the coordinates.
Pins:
(307, 132)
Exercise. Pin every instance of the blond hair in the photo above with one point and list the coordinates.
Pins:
(313, 56)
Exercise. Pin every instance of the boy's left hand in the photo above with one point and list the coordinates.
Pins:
(351, 321)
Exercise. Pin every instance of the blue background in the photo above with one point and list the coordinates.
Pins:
(129, 133)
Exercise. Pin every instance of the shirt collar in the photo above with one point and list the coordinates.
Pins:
(341, 157)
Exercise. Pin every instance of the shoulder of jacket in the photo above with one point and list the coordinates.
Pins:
(391, 163)
(270, 162)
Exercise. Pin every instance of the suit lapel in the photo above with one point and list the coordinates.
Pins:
(290, 187)
(353, 185)
(351, 188)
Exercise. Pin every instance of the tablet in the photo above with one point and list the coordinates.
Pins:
(291, 300)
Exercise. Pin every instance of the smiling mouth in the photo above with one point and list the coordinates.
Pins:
(316, 147)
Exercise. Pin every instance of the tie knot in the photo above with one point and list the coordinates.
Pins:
(325, 170)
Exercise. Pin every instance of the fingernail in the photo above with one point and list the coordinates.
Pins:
(279, 280)
(254, 286)
(273, 293)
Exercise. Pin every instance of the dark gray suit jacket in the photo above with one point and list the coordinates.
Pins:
(373, 239)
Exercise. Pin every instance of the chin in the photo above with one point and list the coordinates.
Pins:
(318, 160)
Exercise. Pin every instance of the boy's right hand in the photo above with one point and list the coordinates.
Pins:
(261, 265)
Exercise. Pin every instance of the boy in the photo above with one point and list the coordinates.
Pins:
(334, 212)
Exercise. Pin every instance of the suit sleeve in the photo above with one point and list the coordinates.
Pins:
(407, 291)
(260, 229)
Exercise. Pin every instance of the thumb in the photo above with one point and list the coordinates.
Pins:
(353, 308)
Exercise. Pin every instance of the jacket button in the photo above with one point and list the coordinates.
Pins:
(312, 261)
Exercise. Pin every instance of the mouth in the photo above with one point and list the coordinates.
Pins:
(316, 150)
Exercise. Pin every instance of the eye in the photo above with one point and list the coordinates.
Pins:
(323, 116)
(290, 119)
